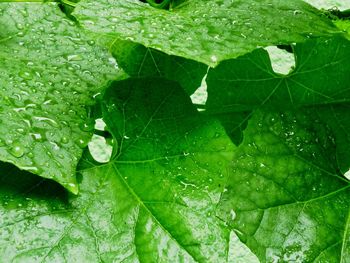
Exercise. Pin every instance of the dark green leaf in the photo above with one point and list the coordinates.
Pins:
(337, 117)
(49, 74)
(139, 61)
(321, 76)
(207, 31)
(285, 198)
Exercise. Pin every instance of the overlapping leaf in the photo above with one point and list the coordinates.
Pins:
(139, 61)
(206, 31)
(49, 73)
(285, 197)
(321, 76)
(155, 202)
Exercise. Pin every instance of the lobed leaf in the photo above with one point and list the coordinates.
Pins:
(321, 76)
(154, 202)
(206, 31)
(285, 197)
(49, 74)
(140, 61)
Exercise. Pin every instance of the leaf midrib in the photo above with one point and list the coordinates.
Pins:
(138, 199)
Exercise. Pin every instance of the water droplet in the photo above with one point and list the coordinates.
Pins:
(74, 57)
(91, 42)
(82, 143)
(89, 125)
(50, 121)
(25, 75)
(214, 58)
(37, 136)
(19, 26)
(64, 140)
(17, 150)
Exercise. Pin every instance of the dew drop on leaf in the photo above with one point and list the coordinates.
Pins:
(88, 125)
(17, 150)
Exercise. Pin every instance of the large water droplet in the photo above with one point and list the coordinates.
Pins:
(17, 150)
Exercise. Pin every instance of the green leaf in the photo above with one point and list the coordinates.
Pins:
(337, 117)
(321, 76)
(343, 25)
(155, 202)
(285, 197)
(49, 74)
(234, 124)
(206, 31)
(139, 61)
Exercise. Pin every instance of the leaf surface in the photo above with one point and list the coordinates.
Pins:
(140, 61)
(155, 202)
(321, 76)
(285, 197)
(49, 74)
(206, 31)
(337, 118)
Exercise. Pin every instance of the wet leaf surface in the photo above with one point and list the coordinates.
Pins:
(206, 31)
(49, 74)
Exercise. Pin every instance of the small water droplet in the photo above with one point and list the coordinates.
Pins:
(91, 42)
(25, 75)
(89, 125)
(64, 140)
(82, 143)
(19, 26)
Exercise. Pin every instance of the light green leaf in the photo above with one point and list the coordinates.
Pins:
(155, 202)
(343, 25)
(206, 31)
(139, 61)
(49, 74)
(321, 76)
(285, 197)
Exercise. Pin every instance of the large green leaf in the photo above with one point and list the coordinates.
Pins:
(155, 202)
(140, 61)
(321, 76)
(49, 74)
(207, 31)
(285, 197)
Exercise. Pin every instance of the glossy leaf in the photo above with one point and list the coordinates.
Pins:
(155, 202)
(285, 197)
(49, 74)
(321, 76)
(206, 31)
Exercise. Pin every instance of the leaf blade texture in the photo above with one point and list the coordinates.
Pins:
(205, 31)
(285, 197)
(155, 201)
(50, 71)
(140, 61)
(249, 82)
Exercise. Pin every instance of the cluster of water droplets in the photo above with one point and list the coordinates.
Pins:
(206, 26)
(51, 75)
